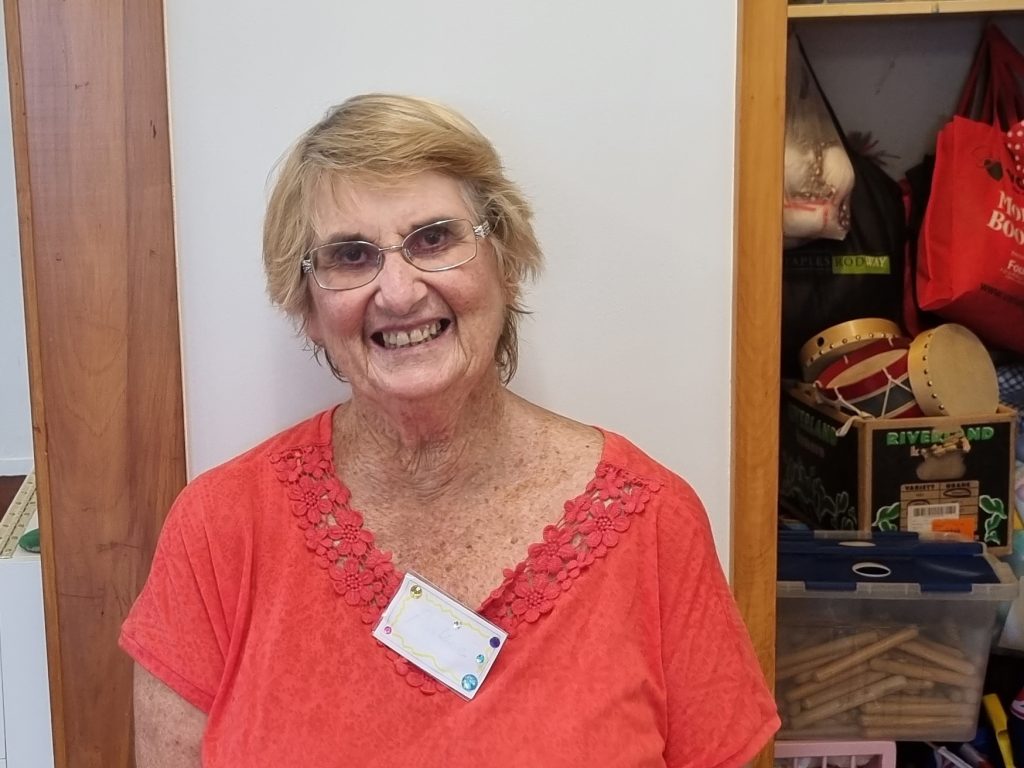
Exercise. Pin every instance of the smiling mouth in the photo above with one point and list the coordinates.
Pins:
(402, 339)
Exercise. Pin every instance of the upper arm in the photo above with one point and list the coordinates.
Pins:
(183, 623)
(720, 712)
(168, 730)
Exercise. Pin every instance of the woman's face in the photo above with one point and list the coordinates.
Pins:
(370, 332)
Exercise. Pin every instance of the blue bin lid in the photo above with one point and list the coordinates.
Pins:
(837, 562)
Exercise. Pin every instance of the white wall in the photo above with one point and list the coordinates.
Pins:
(617, 119)
(899, 79)
(15, 418)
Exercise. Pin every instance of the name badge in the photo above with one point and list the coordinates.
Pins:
(440, 635)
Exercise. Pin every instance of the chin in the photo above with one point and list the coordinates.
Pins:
(414, 385)
(427, 383)
(412, 391)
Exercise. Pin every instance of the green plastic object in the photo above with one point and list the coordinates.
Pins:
(29, 540)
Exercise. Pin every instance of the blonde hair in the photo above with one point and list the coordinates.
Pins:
(385, 139)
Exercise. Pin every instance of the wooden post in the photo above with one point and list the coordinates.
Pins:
(760, 118)
(92, 162)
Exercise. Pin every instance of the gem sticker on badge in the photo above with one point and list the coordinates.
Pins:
(440, 635)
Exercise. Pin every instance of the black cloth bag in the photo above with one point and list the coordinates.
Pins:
(825, 282)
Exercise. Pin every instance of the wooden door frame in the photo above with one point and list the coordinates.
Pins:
(92, 167)
(91, 76)
(757, 291)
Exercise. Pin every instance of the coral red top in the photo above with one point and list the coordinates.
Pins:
(625, 647)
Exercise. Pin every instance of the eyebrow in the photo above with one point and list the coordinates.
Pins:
(345, 237)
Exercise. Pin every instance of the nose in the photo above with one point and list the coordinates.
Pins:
(400, 285)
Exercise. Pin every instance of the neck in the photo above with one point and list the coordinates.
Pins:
(423, 449)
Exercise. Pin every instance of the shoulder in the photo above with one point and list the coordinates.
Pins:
(313, 435)
(624, 455)
(670, 502)
(239, 484)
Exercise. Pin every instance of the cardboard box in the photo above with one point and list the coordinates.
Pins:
(922, 474)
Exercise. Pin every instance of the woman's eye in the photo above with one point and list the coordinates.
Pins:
(431, 239)
(349, 255)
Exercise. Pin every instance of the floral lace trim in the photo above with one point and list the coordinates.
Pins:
(366, 578)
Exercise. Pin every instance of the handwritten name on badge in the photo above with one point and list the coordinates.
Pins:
(440, 635)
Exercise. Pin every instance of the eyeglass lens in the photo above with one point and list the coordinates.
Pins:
(434, 247)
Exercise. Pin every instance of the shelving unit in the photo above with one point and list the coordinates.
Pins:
(760, 107)
(827, 10)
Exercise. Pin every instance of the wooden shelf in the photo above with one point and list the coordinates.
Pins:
(829, 10)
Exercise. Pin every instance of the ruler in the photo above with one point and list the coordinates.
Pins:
(21, 510)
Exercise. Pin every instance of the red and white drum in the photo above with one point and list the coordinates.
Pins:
(828, 346)
(872, 380)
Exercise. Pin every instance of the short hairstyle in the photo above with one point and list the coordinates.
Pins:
(385, 139)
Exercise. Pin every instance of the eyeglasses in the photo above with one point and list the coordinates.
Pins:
(435, 247)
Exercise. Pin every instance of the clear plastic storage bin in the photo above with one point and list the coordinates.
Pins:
(884, 636)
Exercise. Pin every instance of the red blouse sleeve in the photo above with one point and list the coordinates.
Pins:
(180, 627)
(720, 712)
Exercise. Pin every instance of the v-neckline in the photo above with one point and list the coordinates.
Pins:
(533, 540)
(366, 577)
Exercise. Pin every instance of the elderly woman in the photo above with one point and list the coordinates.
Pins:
(395, 240)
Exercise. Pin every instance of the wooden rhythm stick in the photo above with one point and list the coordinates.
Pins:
(971, 695)
(928, 653)
(835, 691)
(906, 705)
(830, 648)
(935, 674)
(892, 722)
(877, 648)
(918, 686)
(801, 670)
(947, 650)
(906, 695)
(854, 700)
(798, 692)
(913, 733)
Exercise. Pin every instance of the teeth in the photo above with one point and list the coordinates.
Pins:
(397, 339)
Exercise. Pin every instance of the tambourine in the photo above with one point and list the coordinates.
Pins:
(952, 374)
(826, 347)
(872, 380)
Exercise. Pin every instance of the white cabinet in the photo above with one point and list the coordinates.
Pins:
(25, 735)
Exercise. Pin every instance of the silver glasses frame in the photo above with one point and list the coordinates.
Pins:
(480, 231)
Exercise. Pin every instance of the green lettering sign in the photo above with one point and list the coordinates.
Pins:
(861, 264)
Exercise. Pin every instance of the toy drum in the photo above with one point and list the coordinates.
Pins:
(872, 381)
(952, 374)
(825, 348)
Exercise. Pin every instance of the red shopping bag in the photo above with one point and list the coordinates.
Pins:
(970, 266)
